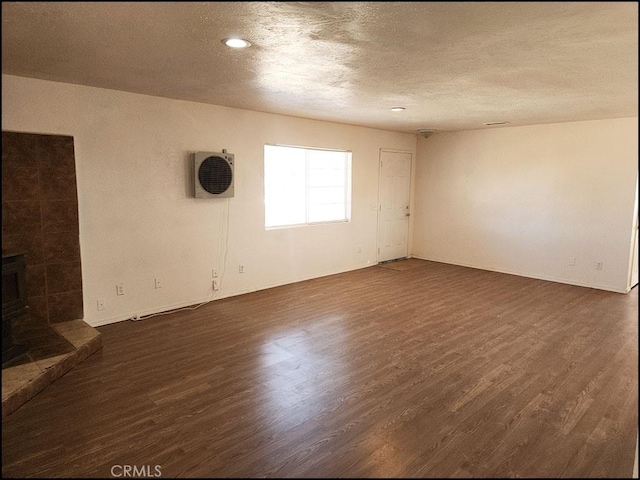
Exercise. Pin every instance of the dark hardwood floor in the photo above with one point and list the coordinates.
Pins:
(409, 369)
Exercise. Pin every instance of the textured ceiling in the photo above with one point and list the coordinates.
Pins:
(453, 65)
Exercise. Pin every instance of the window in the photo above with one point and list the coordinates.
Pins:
(304, 186)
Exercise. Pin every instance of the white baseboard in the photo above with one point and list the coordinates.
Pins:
(166, 309)
(527, 275)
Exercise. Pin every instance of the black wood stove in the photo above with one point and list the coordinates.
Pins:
(14, 301)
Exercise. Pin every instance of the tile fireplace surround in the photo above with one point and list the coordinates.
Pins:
(40, 220)
(51, 352)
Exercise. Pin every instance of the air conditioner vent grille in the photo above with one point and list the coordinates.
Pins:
(215, 175)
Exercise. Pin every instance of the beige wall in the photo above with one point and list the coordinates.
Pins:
(522, 200)
(528, 200)
(138, 220)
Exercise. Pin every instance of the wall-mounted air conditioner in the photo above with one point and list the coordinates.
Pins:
(213, 174)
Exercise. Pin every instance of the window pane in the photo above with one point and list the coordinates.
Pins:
(323, 195)
(327, 160)
(284, 192)
(305, 185)
(326, 213)
(326, 178)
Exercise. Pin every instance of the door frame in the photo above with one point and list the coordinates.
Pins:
(412, 154)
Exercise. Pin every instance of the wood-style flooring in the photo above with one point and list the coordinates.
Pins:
(412, 369)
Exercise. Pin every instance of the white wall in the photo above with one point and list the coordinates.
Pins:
(527, 200)
(138, 220)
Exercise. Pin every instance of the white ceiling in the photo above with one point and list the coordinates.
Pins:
(453, 65)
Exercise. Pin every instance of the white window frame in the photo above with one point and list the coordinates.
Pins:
(347, 190)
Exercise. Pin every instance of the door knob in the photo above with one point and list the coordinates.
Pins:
(407, 214)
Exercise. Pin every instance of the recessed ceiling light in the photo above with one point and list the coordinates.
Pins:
(236, 43)
(496, 123)
(397, 109)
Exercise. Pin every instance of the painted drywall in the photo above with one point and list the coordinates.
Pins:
(530, 200)
(138, 220)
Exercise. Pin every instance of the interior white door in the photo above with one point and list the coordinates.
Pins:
(393, 208)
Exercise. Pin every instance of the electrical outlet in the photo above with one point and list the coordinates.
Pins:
(158, 283)
(216, 284)
(240, 268)
(214, 273)
(598, 265)
(120, 289)
(101, 304)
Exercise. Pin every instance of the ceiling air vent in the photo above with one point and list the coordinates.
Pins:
(426, 132)
(213, 174)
